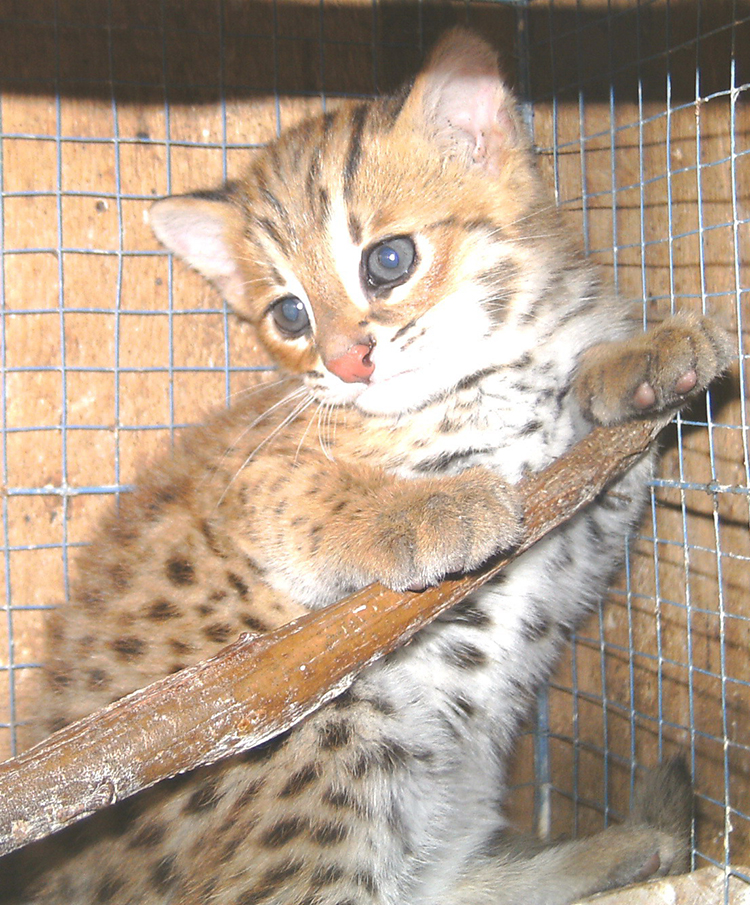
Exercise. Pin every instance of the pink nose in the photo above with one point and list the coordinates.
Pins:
(353, 366)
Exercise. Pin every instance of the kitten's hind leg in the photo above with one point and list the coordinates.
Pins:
(653, 371)
(655, 841)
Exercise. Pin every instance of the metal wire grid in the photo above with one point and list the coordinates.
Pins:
(560, 32)
(531, 48)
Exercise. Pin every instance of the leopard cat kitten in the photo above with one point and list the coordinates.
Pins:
(438, 336)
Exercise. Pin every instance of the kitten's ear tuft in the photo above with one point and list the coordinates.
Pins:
(198, 229)
(461, 102)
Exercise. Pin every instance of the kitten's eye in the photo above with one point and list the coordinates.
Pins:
(389, 262)
(290, 316)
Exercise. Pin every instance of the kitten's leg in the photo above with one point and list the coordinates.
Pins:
(653, 371)
(333, 528)
(654, 842)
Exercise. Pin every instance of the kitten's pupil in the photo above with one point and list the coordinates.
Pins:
(388, 257)
(390, 262)
(290, 316)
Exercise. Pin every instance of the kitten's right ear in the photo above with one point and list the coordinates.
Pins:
(460, 101)
(198, 228)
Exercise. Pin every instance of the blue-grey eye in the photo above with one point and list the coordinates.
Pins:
(290, 316)
(389, 262)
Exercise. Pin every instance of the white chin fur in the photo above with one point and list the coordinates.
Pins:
(404, 393)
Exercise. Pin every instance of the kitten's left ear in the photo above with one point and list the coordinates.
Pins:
(199, 228)
(460, 101)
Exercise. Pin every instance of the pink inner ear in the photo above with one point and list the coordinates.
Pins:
(475, 105)
(471, 109)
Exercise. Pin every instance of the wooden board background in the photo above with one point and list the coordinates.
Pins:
(107, 349)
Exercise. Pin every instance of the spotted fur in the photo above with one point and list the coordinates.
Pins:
(404, 412)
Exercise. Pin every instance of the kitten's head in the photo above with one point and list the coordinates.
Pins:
(385, 252)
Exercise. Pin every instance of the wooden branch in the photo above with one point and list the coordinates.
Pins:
(258, 687)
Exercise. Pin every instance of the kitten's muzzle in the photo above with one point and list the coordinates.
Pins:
(355, 365)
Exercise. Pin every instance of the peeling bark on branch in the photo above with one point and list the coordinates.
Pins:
(258, 687)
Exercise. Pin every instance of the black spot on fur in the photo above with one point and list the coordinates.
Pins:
(283, 832)
(97, 678)
(344, 700)
(164, 875)
(389, 756)
(393, 755)
(59, 680)
(148, 836)
(247, 795)
(444, 461)
(335, 734)
(93, 601)
(381, 705)
(120, 576)
(468, 612)
(212, 541)
(595, 531)
(128, 647)
(161, 610)
(238, 584)
(283, 872)
(180, 572)
(343, 798)
(531, 427)
(253, 623)
(464, 655)
(160, 499)
(463, 705)
(270, 882)
(219, 632)
(299, 781)
(326, 875)
(327, 834)
(536, 626)
(204, 798)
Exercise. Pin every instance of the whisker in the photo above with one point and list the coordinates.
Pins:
(290, 397)
(251, 391)
(296, 411)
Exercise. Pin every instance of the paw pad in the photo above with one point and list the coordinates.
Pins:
(644, 397)
(686, 383)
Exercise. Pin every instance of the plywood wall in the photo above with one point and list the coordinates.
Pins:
(657, 183)
(107, 348)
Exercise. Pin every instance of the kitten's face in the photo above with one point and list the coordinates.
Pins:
(377, 249)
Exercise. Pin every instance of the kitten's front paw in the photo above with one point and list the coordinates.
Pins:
(654, 372)
(449, 525)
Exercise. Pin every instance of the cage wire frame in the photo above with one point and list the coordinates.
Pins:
(530, 45)
(715, 486)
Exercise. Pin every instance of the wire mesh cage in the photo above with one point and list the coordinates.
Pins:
(639, 111)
